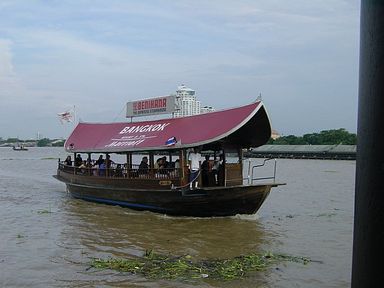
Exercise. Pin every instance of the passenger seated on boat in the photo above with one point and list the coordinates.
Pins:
(158, 166)
(143, 167)
(83, 167)
(89, 166)
(118, 171)
(125, 170)
(68, 161)
(165, 166)
(176, 167)
(78, 160)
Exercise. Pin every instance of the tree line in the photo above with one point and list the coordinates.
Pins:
(39, 143)
(325, 137)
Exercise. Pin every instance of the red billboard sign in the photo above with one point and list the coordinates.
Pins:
(153, 106)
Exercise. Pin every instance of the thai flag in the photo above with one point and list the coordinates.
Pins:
(67, 116)
(171, 141)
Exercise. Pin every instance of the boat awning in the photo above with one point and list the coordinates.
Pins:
(242, 127)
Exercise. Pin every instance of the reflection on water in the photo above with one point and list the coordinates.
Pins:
(48, 238)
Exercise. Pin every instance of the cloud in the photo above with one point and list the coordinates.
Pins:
(98, 55)
(6, 67)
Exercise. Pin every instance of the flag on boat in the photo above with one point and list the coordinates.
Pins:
(171, 141)
(66, 116)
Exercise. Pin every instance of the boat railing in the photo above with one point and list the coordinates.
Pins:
(251, 171)
(121, 171)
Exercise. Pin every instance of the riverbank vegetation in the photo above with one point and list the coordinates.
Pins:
(44, 142)
(326, 137)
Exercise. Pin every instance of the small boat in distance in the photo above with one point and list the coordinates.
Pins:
(218, 189)
(19, 148)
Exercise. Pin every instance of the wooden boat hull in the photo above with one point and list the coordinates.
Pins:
(200, 202)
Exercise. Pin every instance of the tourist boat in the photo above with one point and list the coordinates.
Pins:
(222, 135)
(19, 148)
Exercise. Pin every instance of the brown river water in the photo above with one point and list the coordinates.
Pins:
(47, 238)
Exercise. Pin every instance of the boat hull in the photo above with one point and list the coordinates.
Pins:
(200, 202)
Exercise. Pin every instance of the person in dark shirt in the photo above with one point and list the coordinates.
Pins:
(205, 169)
(78, 160)
(143, 167)
(68, 161)
(99, 161)
(108, 161)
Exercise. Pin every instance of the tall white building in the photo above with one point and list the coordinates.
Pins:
(186, 103)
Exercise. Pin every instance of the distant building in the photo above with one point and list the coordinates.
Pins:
(275, 134)
(187, 104)
(206, 109)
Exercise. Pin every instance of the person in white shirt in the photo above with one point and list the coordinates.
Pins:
(194, 166)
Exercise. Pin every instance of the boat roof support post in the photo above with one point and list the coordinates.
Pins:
(106, 165)
(240, 153)
(151, 160)
(129, 160)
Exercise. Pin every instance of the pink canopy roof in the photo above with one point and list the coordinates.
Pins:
(245, 126)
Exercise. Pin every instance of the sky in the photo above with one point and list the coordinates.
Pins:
(300, 55)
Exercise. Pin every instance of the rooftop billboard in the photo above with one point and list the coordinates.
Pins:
(152, 106)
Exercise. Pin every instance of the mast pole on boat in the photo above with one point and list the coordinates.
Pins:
(369, 213)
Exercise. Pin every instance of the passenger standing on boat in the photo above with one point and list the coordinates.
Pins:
(99, 161)
(100, 165)
(108, 164)
(220, 172)
(205, 170)
(102, 168)
(215, 169)
(108, 161)
(143, 167)
(194, 167)
(68, 161)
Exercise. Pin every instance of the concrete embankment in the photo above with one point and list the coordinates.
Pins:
(334, 152)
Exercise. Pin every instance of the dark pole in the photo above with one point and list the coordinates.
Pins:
(368, 240)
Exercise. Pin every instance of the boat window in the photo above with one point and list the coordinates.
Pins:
(231, 156)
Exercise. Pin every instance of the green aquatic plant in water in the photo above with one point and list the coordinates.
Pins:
(45, 211)
(157, 266)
